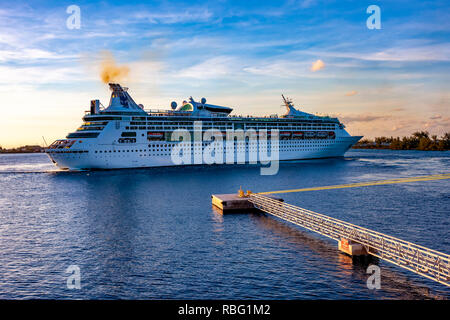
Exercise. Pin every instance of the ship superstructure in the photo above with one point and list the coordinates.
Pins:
(124, 135)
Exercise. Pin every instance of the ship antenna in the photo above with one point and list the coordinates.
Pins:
(287, 103)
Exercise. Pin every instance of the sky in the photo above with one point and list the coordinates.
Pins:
(244, 54)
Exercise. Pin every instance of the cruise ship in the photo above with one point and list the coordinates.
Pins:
(125, 135)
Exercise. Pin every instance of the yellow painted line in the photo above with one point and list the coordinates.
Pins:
(369, 183)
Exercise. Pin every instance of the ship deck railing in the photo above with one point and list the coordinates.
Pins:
(170, 113)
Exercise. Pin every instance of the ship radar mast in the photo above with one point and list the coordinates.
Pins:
(287, 103)
(292, 112)
(290, 109)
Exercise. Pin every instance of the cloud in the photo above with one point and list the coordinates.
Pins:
(307, 3)
(32, 54)
(211, 68)
(363, 118)
(279, 68)
(41, 75)
(351, 93)
(197, 15)
(302, 4)
(442, 123)
(398, 127)
(422, 53)
(287, 67)
(398, 53)
(317, 65)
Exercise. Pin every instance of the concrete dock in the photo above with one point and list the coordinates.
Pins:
(352, 248)
(229, 203)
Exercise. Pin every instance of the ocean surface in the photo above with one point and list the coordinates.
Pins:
(152, 233)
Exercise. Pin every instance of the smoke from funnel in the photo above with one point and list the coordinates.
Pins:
(110, 71)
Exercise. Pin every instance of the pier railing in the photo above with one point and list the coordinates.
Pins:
(429, 263)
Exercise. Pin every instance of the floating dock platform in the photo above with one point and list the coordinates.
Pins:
(229, 203)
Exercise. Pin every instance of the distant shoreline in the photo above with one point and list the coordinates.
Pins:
(355, 147)
(420, 140)
(20, 152)
(23, 149)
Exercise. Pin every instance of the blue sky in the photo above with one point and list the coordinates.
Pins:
(244, 54)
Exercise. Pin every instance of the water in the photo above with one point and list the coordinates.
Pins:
(152, 233)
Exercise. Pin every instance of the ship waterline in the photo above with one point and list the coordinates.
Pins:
(124, 135)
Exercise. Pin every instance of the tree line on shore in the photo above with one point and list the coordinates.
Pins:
(420, 140)
(23, 149)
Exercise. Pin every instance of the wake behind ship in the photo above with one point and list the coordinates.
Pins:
(124, 135)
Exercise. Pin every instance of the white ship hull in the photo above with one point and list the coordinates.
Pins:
(140, 156)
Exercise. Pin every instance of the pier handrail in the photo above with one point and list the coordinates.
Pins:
(441, 176)
(427, 262)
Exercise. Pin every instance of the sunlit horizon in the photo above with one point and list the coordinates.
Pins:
(391, 81)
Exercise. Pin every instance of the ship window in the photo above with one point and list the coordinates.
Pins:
(128, 134)
(82, 135)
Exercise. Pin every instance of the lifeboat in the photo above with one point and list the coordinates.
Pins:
(285, 134)
(331, 133)
(155, 135)
(310, 134)
(322, 134)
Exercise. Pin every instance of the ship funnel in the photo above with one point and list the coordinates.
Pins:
(95, 106)
(121, 98)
